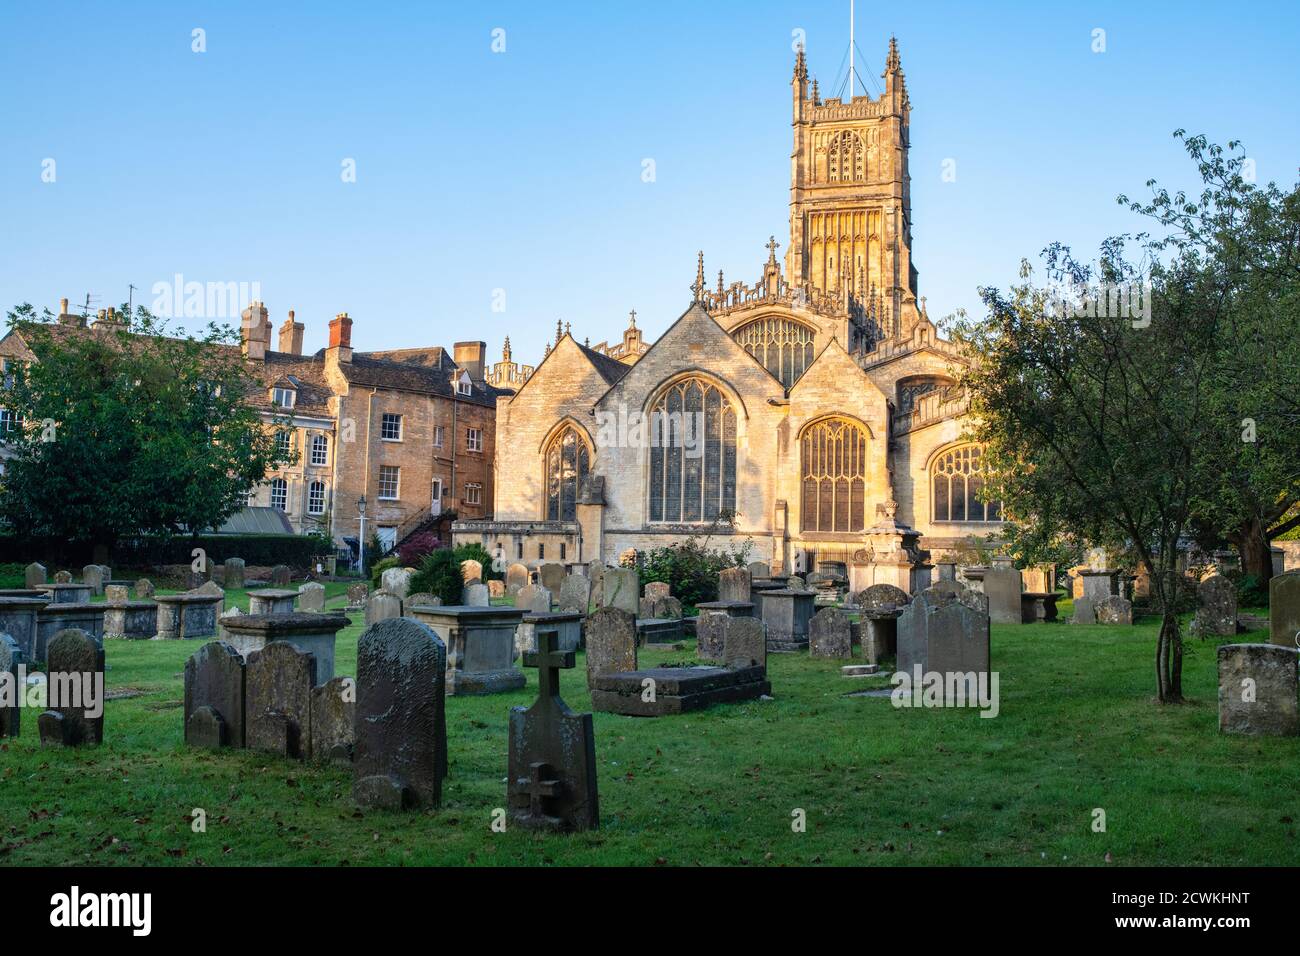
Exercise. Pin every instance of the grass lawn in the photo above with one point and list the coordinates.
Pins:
(1078, 730)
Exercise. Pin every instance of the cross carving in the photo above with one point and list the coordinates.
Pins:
(540, 787)
(772, 246)
(549, 661)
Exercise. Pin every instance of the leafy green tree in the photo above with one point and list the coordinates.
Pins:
(129, 428)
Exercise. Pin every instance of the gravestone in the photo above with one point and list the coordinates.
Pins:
(11, 659)
(734, 585)
(202, 575)
(93, 575)
(271, 601)
(382, 606)
(116, 594)
(34, 575)
(73, 656)
(552, 757)
(420, 599)
(516, 577)
(795, 582)
(214, 681)
(477, 595)
(232, 611)
(333, 715)
(496, 588)
(786, 612)
(575, 594)
(1114, 610)
(1002, 586)
(759, 569)
(829, 634)
(611, 642)
(1085, 612)
(1216, 611)
(534, 599)
(357, 594)
(744, 643)
(314, 633)
(882, 595)
(656, 589)
(942, 633)
(144, 588)
(596, 573)
(311, 597)
(947, 570)
(480, 645)
(277, 696)
(400, 751)
(397, 581)
(551, 576)
(621, 589)
(1284, 609)
(665, 607)
(471, 570)
(62, 577)
(280, 576)
(1257, 690)
(233, 578)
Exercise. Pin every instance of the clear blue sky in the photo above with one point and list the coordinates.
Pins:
(523, 170)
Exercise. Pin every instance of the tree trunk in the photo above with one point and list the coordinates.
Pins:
(1255, 549)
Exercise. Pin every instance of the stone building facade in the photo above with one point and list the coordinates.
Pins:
(812, 415)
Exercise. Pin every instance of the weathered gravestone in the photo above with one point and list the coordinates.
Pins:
(655, 590)
(710, 624)
(575, 593)
(278, 683)
(382, 606)
(1002, 587)
(116, 594)
(552, 760)
(1216, 610)
(62, 577)
(34, 575)
(534, 599)
(1114, 610)
(1257, 690)
(201, 575)
(943, 633)
(400, 753)
(471, 570)
(496, 588)
(551, 576)
(94, 575)
(744, 643)
(611, 642)
(144, 588)
(311, 597)
(420, 599)
(1085, 612)
(621, 588)
(333, 715)
(759, 569)
(882, 595)
(75, 672)
(280, 575)
(214, 697)
(1284, 609)
(357, 594)
(233, 578)
(516, 578)
(662, 607)
(397, 581)
(734, 585)
(829, 634)
(11, 660)
(476, 595)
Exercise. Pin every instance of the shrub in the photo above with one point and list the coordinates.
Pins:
(476, 552)
(689, 568)
(415, 550)
(379, 567)
(439, 574)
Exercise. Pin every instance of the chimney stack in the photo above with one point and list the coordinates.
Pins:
(340, 349)
(291, 336)
(469, 356)
(255, 332)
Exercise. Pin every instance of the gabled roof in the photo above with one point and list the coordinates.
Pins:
(610, 369)
(413, 374)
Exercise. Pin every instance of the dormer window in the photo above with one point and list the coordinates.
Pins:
(463, 385)
(284, 397)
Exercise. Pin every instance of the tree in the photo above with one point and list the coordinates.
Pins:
(126, 428)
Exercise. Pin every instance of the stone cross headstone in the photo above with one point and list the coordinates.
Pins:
(34, 575)
(516, 577)
(552, 758)
(551, 576)
(620, 588)
(535, 599)
(1284, 609)
(1257, 690)
(11, 658)
(575, 593)
(1114, 610)
(280, 575)
(611, 642)
(829, 634)
(333, 716)
(734, 584)
(144, 589)
(471, 570)
(744, 642)
(234, 574)
(400, 753)
(72, 655)
(277, 698)
(1216, 611)
(311, 597)
(214, 683)
(382, 606)
(1003, 588)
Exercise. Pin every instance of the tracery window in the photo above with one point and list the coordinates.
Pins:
(692, 453)
(782, 346)
(834, 469)
(845, 158)
(957, 480)
(567, 463)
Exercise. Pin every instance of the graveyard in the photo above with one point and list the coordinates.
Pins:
(879, 785)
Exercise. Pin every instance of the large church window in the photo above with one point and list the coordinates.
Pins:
(567, 463)
(957, 479)
(845, 160)
(834, 463)
(692, 453)
(782, 346)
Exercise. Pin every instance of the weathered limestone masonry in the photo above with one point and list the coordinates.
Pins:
(53, 618)
(186, 616)
(1257, 690)
(18, 619)
(480, 644)
(311, 632)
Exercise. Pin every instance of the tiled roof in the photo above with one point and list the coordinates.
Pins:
(378, 370)
(610, 369)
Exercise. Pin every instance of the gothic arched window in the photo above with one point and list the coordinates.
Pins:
(567, 463)
(692, 453)
(834, 470)
(845, 158)
(782, 346)
(957, 480)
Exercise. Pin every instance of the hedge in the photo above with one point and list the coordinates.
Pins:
(256, 549)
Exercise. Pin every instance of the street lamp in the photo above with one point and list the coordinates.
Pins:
(361, 510)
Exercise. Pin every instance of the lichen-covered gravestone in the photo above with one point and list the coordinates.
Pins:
(575, 593)
(278, 683)
(551, 782)
(333, 716)
(663, 606)
(534, 598)
(471, 570)
(144, 588)
(11, 658)
(214, 697)
(397, 581)
(311, 597)
(400, 755)
(357, 594)
(744, 642)
(382, 606)
(476, 595)
(943, 633)
(516, 578)
(1002, 586)
(1114, 610)
(420, 599)
(280, 575)
(73, 656)
(1084, 611)
(34, 575)
(551, 576)
(611, 642)
(656, 589)
(233, 578)
(621, 589)
(829, 634)
(1284, 609)
(1216, 608)
(734, 585)
(1257, 690)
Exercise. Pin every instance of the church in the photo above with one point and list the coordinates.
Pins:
(813, 416)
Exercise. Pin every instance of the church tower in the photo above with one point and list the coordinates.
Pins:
(850, 196)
